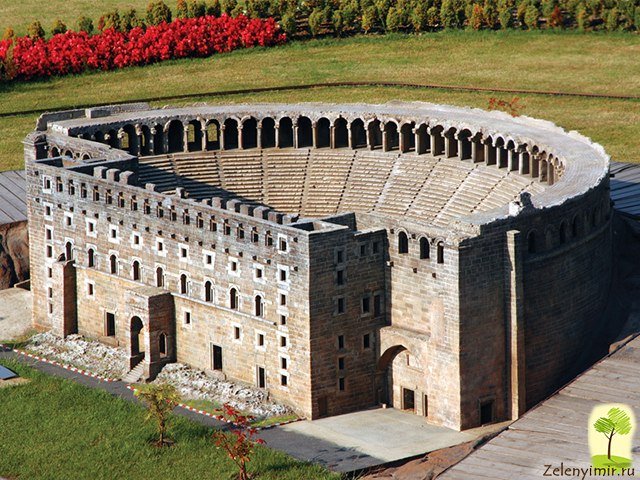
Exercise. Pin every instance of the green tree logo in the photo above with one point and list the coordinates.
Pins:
(616, 422)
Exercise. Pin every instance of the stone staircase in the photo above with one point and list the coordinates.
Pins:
(135, 374)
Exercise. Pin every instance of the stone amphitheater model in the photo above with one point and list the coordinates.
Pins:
(449, 261)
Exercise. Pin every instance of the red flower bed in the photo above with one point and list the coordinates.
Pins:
(73, 52)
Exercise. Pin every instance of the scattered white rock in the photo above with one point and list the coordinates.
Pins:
(75, 350)
(197, 385)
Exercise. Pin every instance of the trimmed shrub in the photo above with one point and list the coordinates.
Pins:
(289, 24)
(556, 19)
(531, 17)
(394, 20)
(35, 30)
(158, 12)
(369, 19)
(315, 21)
(505, 15)
(476, 21)
(129, 20)
(419, 16)
(109, 20)
(612, 22)
(452, 14)
(490, 12)
(8, 34)
(84, 24)
(58, 27)
(196, 9)
(213, 8)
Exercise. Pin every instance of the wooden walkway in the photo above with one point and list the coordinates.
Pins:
(13, 197)
(556, 430)
(625, 187)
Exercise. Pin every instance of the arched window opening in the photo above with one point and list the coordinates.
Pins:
(305, 132)
(407, 137)
(259, 306)
(392, 136)
(268, 133)
(250, 133)
(159, 277)
(233, 299)
(208, 291)
(440, 252)
(194, 136)
(424, 248)
(135, 270)
(230, 134)
(340, 133)
(358, 134)
(213, 135)
(68, 251)
(145, 140)
(375, 134)
(323, 136)
(183, 284)
(464, 144)
(403, 243)
(285, 133)
(162, 345)
(113, 264)
(91, 258)
(175, 136)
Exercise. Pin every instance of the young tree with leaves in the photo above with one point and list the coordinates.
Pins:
(160, 399)
(240, 442)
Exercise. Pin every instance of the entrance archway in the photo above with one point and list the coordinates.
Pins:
(384, 374)
(137, 338)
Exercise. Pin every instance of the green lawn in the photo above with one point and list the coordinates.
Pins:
(595, 63)
(18, 14)
(54, 429)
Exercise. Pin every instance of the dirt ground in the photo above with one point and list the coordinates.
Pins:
(15, 313)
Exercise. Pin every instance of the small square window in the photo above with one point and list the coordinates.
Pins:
(187, 318)
(208, 259)
(236, 333)
(136, 239)
(282, 244)
(375, 247)
(49, 251)
(48, 233)
(184, 252)
(233, 266)
(282, 274)
(340, 277)
(363, 249)
(90, 289)
(259, 272)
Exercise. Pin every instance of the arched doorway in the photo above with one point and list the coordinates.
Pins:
(384, 374)
(137, 339)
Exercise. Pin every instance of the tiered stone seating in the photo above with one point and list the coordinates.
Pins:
(407, 177)
(368, 176)
(464, 200)
(446, 177)
(159, 171)
(241, 173)
(285, 174)
(199, 174)
(317, 182)
(326, 181)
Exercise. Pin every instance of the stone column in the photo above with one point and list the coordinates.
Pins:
(259, 135)
(185, 138)
(165, 141)
(512, 160)
(277, 129)
(370, 138)
(551, 173)
(314, 134)
(221, 136)
(350, 137)
(203, 140)
(535, 165)
(515, 323)
(240, 142)
(385, 138)
(295, 135)
(332, 136)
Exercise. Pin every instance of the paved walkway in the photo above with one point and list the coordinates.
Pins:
(15, 313)
(345, 443)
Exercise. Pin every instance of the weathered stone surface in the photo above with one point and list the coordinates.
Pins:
(14, 254)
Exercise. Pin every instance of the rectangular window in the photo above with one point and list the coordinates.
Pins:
(284, 363)
(68, 220)
(282, 274)
(284, 379)
(366, 304)
(254, 235)
(216, 357)
(283, 299)
(135, 240)
(341, 384)
(366, 341)
(259, 272)
(363, 249)
(113, 232)
(283, 341)
(283, 319)
(90, 289)
(184, 252)
(260, 340)
(261, 379)
(226, 228)
(208, 259)
(83, 190)
(49, 251)
(340, 277)
(340, 363)
(283, 245)
(340, 342)
(48, 211)
(187, 318)
(375, 247)
(46, 184)
(341, 305)
(377, 304)
(339, 257)
(110, 324)
(236, 333)
(48, 233)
